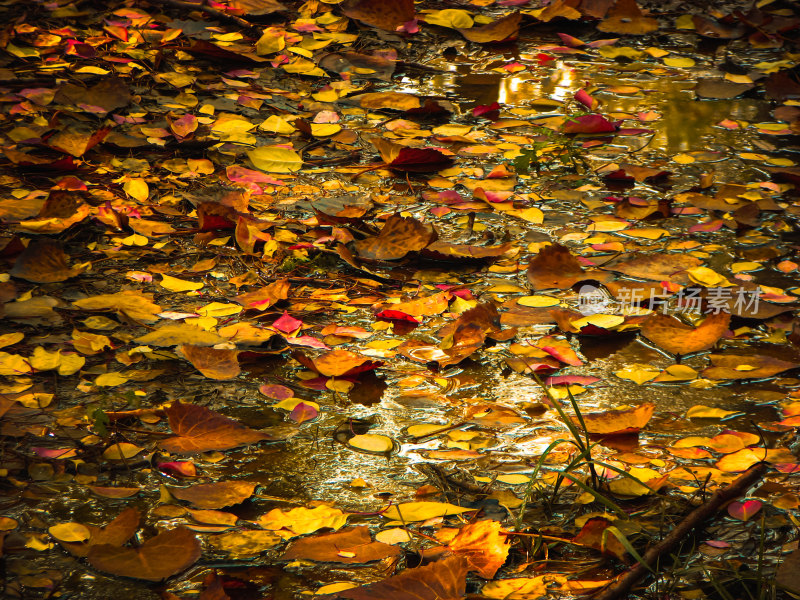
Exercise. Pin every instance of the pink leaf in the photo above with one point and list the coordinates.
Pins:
(303, 412)
(287, 324)
(743, 510)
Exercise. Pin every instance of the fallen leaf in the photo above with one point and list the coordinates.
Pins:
(43, 261)
(422, 511)
(383, 14)
(199, 429)
(445, 579)
(618, 421)
(162, 556)
(350, 545)
(398, 237)
(734, 366)
(214, 363)
(301, 521)
(674, 336)
(215, 495)
(484, 546)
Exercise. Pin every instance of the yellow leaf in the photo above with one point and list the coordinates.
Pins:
(137, 188)
(625, 486)
(639, 374)
(71, 363)
(89, 343)
(683, 158)
(301, 521)
(707, 277)
(9, 339)
(701, 411)
(678, 61)
(290, 403)
(110, 379)
(538, 301)
(35, 400)
(677, 373)
(271, 41)
(120, 451)
(219, 309)
(518, 588)
(450, 17)
(275, 159)
(70, 532)
(325, 129)
(422, 511)
(513, 478)
(531, 215)
(277, 124)
(42, 360)
(371, 442)
(602, 321)
(173, 284)
(742, 267)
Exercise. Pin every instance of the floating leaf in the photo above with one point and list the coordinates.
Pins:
(422, 511)
(619, 421)
(162, 556)
(275, 159)
(676, 337)
(744, 509)
(301, 521)
(350, 545)
(215, 495)
(198, 429)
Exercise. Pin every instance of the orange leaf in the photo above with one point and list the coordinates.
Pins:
(617, 422)
(215, 495)
(676, 337)
(160, 557)
(214, 363)
(483, 545)
(199, 429)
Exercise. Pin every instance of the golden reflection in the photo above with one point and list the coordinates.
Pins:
(564, 79)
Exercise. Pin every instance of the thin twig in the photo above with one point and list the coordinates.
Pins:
(696, 518)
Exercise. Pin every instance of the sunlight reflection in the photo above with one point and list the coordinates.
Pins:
(564, 79)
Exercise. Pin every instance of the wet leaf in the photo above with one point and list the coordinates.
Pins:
(398, 237)
(198, 429)
(350, 545)
(214, 363)
(733, 366)
(441, 580)
(484, 546)
(383, 14)
(215, 495)
(44, 261)
(504, 28)
(421, 511)
(275, 159)
(159, 557)
(555, 267)
(619, 421)
(744, 509)
(69, 532)
(302, 520)
(676, 337)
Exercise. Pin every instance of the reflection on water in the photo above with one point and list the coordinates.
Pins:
(685, 124)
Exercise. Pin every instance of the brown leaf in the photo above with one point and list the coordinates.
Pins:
(265, 297)
(383, 14)
(618, 422)
(175, 334)
(735, 366)
(446, 251)
(338, 363)
(115, 533)
(378, 100)
(468, 333)
(214, 363)
(107, 95)
(133, 304)
(399, 236)
(160, 557)
(349, 545)
(484, 546)
(656, 267)
(256, 7)
(627, 18)
(788, 574)
(674, 336)
(442, 580)
(592, 535)
(199, 429)
(434, 304)
(43, 261)
(215, 495)
(556, 267)
(566, 9)
(505, 28)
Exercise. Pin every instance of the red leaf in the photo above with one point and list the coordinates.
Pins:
(420, 160)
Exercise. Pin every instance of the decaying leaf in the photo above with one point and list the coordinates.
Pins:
(215, 495)
(198, 429)
(162, 556)
(674, 336)
(44, 261)
(350, 545)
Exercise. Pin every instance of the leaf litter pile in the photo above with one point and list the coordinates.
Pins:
(370, 299)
